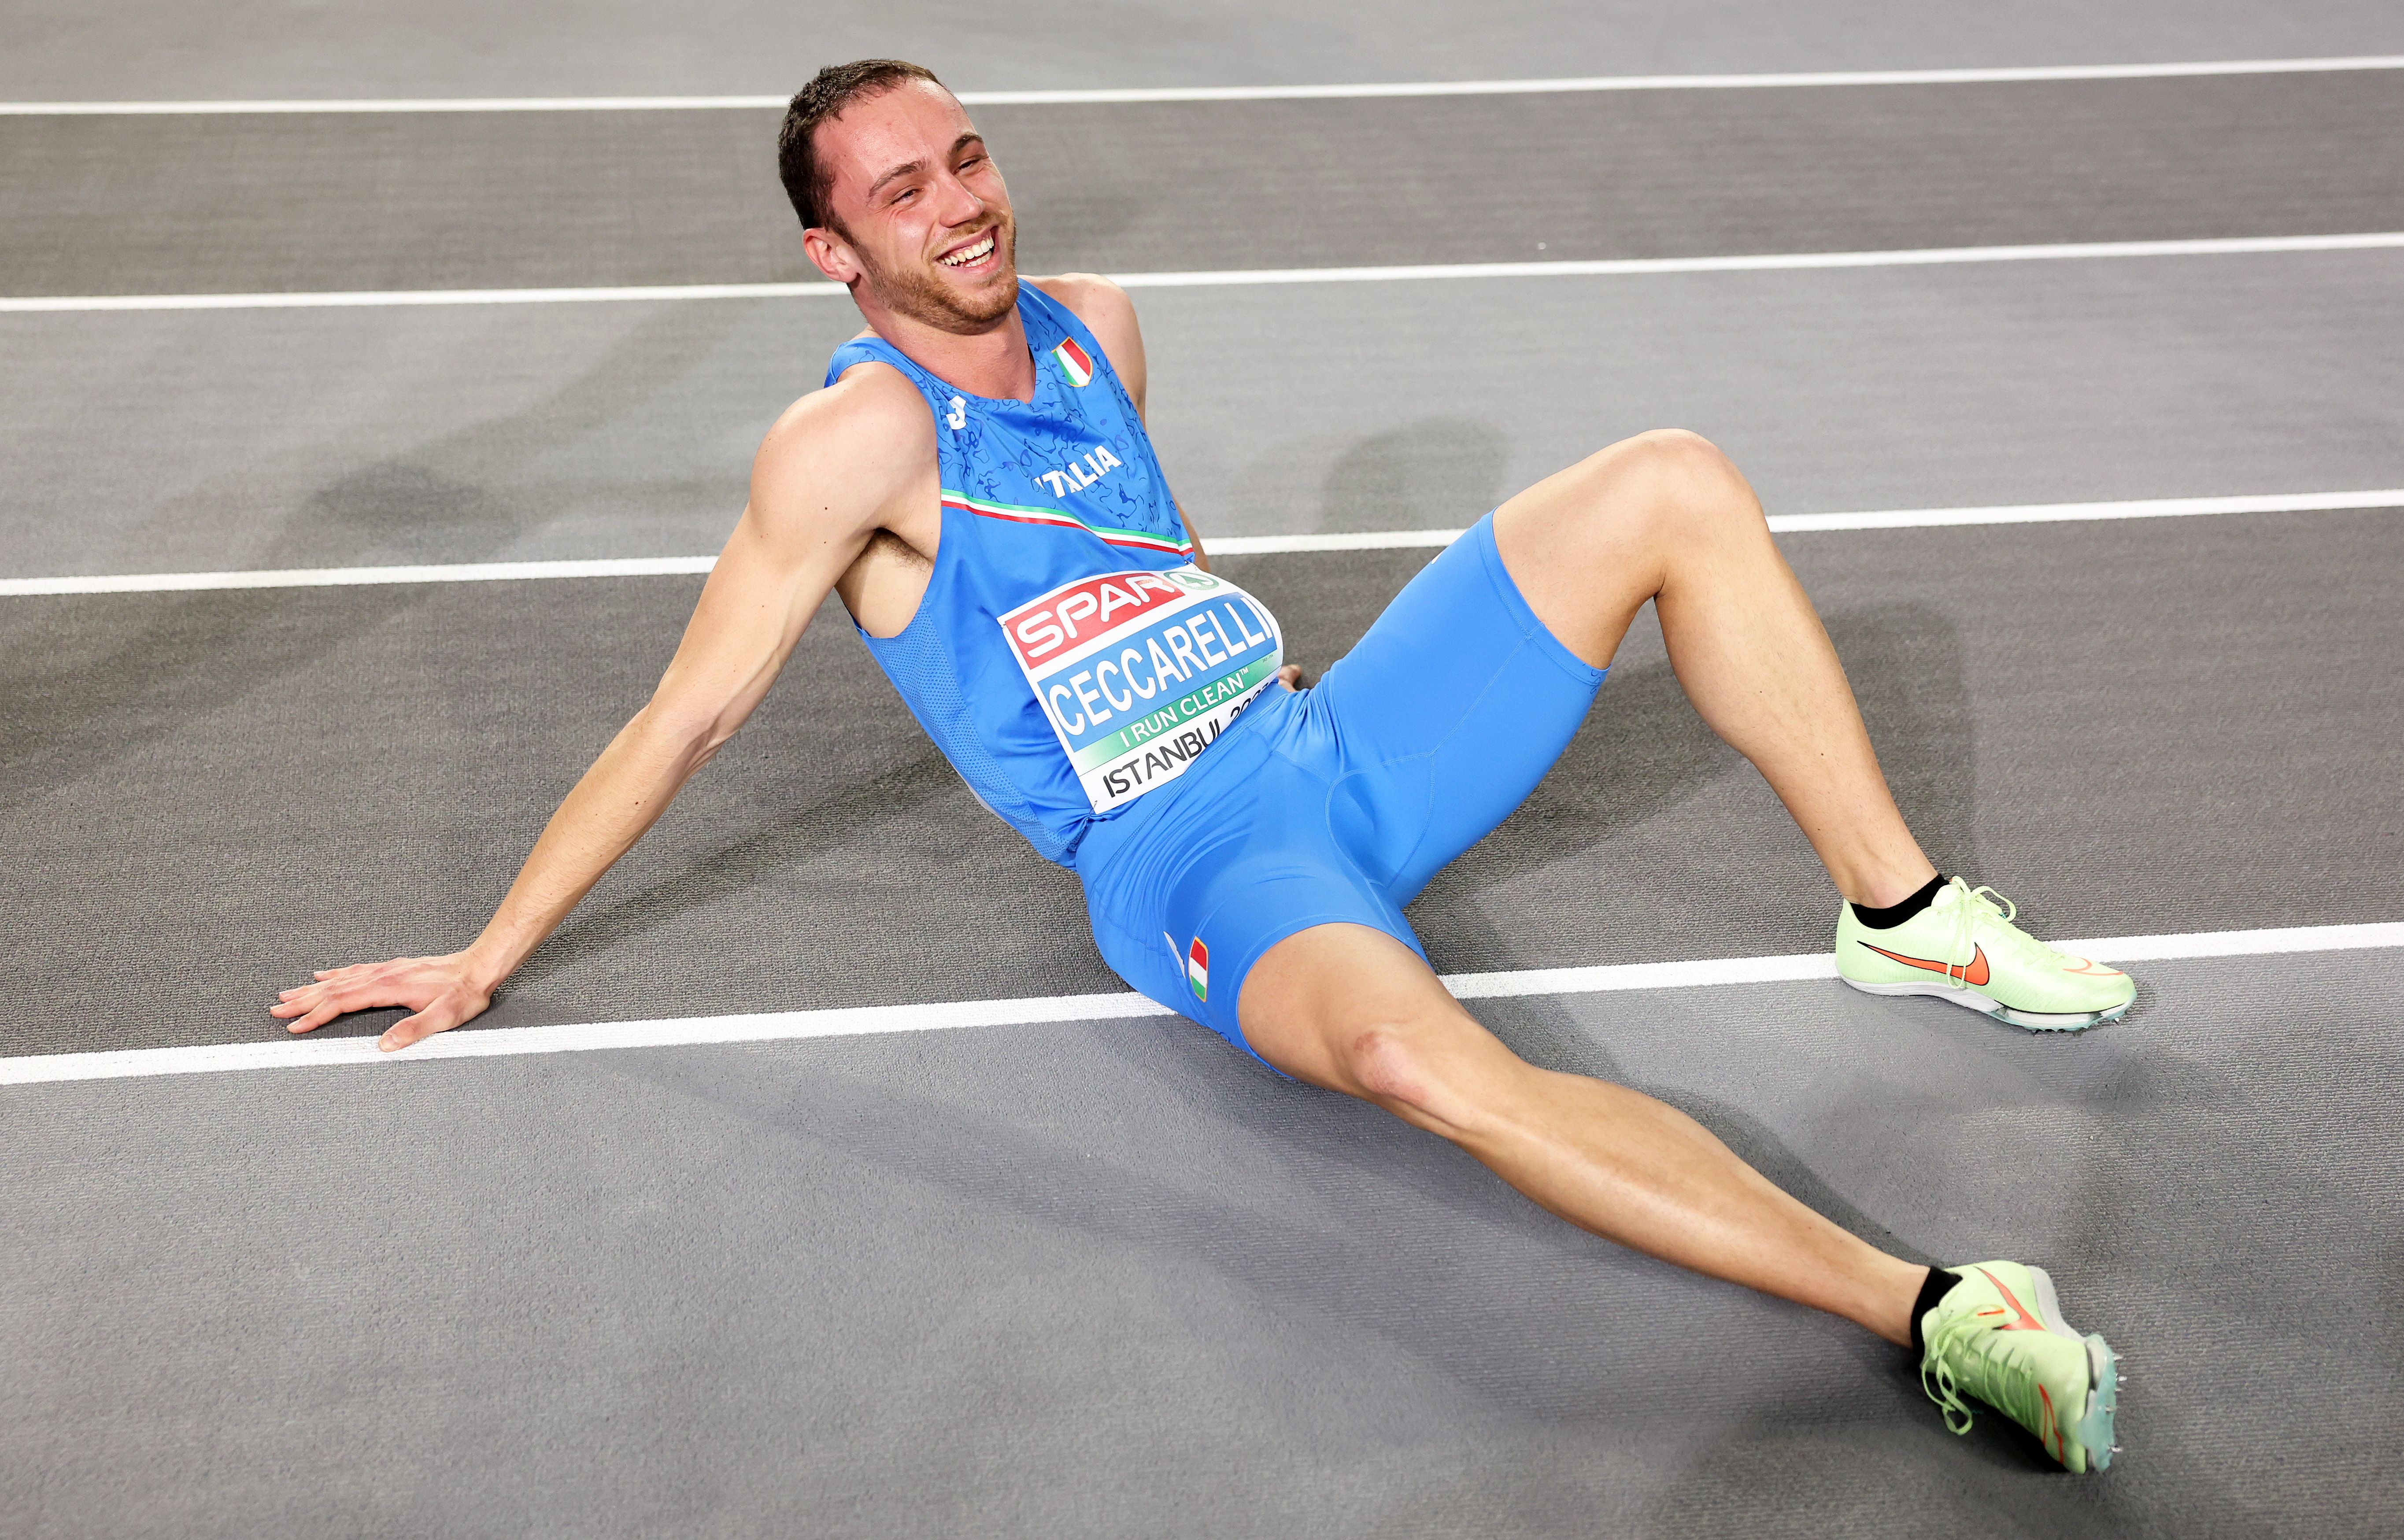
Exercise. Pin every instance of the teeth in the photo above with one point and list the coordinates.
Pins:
(974, 253)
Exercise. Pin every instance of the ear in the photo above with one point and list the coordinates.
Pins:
(830, 256)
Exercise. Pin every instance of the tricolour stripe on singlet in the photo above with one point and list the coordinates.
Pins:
(1134, 540)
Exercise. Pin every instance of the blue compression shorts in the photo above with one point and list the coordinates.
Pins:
(1338, 802)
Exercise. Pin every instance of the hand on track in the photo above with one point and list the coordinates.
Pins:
(439, 989)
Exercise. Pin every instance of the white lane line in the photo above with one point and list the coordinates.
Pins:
(353, 577)
(1768, 262)
(2116, 949)
(1895, 518)
(1616, 267)
(1225, 545)
(2152, 508)
(786, 1025)
(2004, 75)
(379, 298)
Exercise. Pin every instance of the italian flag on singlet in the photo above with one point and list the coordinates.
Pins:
(1198, 969)
(1075, 367)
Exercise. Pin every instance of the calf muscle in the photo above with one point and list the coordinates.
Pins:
(1667, 517)
(1350, 1009)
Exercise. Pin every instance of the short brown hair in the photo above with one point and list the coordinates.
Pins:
(807, 181)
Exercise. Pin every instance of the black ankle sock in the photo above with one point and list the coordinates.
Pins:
(1896, 914)
(1935, 1286)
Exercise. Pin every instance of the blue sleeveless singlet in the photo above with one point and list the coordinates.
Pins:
(1068, 657)
(1074, 666)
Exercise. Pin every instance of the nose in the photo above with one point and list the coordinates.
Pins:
(955, 204)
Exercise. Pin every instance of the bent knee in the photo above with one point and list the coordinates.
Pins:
(1678, 446)
(1687, 463)
(1429, 1077)
(1669, 479)
(1386, 1064)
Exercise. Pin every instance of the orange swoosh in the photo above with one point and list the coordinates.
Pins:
(2026, 1322)
(1975, 975)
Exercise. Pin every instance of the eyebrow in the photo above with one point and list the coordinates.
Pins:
(911, 168)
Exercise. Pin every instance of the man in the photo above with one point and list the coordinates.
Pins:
(976, 484)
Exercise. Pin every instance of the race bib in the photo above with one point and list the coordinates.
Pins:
(1139, 671)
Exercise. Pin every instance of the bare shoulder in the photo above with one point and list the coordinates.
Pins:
(839, 457)
(1097, 301)
(1109, 316)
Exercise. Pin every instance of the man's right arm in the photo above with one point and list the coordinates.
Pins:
(829, 475)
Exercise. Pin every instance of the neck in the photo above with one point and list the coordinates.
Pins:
(992, 363)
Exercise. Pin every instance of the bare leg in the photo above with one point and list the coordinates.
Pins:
(1661, 517)
(1353, 1010)
(1665, 517)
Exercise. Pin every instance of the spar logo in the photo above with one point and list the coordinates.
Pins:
(1089, 608)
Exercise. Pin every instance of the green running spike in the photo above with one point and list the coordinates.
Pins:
(1964, 948)
(1998, 1335)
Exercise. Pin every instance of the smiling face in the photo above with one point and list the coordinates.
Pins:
(918, 218)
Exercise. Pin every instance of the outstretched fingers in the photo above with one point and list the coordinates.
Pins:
(436, 990)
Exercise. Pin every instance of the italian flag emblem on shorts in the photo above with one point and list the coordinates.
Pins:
(1198, 969)
(1075, 367)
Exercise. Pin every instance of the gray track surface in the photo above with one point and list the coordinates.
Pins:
(1117, 1280)
(1114, 1280)
(117, 49)
(191, 442)
(243, 203)
(396, 749)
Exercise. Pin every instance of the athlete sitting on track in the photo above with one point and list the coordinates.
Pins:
(976, 483)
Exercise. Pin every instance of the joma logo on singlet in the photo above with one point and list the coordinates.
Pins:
(1080, 474)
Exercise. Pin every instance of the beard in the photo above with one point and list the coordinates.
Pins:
(923, 297)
